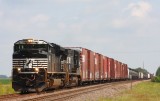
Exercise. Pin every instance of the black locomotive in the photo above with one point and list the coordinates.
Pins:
(39, 65)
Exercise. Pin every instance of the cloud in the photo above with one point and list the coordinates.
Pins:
(1, 13)
(76, 27)
(102, 7)
(118, 23)
(61, 25)
(68, 1)
(140, 9)
(24, 23)
(39, 18)
(135, 16)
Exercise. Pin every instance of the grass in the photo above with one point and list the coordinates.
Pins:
(146, 91)
(6, 87)
(5, 81)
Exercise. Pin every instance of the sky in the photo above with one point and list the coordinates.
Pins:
(126, 30)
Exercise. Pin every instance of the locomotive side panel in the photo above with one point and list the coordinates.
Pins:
(54, 63)
(73, 59)
(56, 54)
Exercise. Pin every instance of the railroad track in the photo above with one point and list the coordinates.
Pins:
(64, 95)
(58, 95)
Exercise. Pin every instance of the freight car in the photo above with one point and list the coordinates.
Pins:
(135, 75)
(146, 76)
(39, 65)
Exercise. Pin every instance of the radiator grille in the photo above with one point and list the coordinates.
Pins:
(34, 62)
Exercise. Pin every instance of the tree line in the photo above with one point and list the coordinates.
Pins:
(157, 76)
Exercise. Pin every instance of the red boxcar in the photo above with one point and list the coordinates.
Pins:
(117, 69)
(112, 68)
(120, 65)
(84, 64)
(91, 65)
(126, 72)
(122, 71)
(97, 66)
(87, 65)
(101, 67)
(105, 62)
(108, 68)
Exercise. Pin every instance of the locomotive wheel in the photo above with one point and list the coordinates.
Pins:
(63, 85)
(24, 91)
(37, 90)
(80, 83)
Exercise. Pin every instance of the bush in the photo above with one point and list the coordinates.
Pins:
(156, 79)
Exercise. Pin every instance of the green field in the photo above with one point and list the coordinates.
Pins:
(146, 91)
(6, 87)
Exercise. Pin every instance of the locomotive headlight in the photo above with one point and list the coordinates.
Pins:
(30, 40)
(19, 69)
(37, 69)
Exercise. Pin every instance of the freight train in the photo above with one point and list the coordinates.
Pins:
(39, 65)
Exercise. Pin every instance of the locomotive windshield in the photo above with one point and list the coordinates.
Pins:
(19, 47)
(30, 51)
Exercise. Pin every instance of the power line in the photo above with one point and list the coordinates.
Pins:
(134, 52)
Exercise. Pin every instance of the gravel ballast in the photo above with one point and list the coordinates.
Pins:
(103, 93)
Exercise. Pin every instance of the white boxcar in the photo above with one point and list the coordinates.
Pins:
(140, 75)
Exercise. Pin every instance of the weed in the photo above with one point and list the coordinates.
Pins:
(146, 91)
(6, 87)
